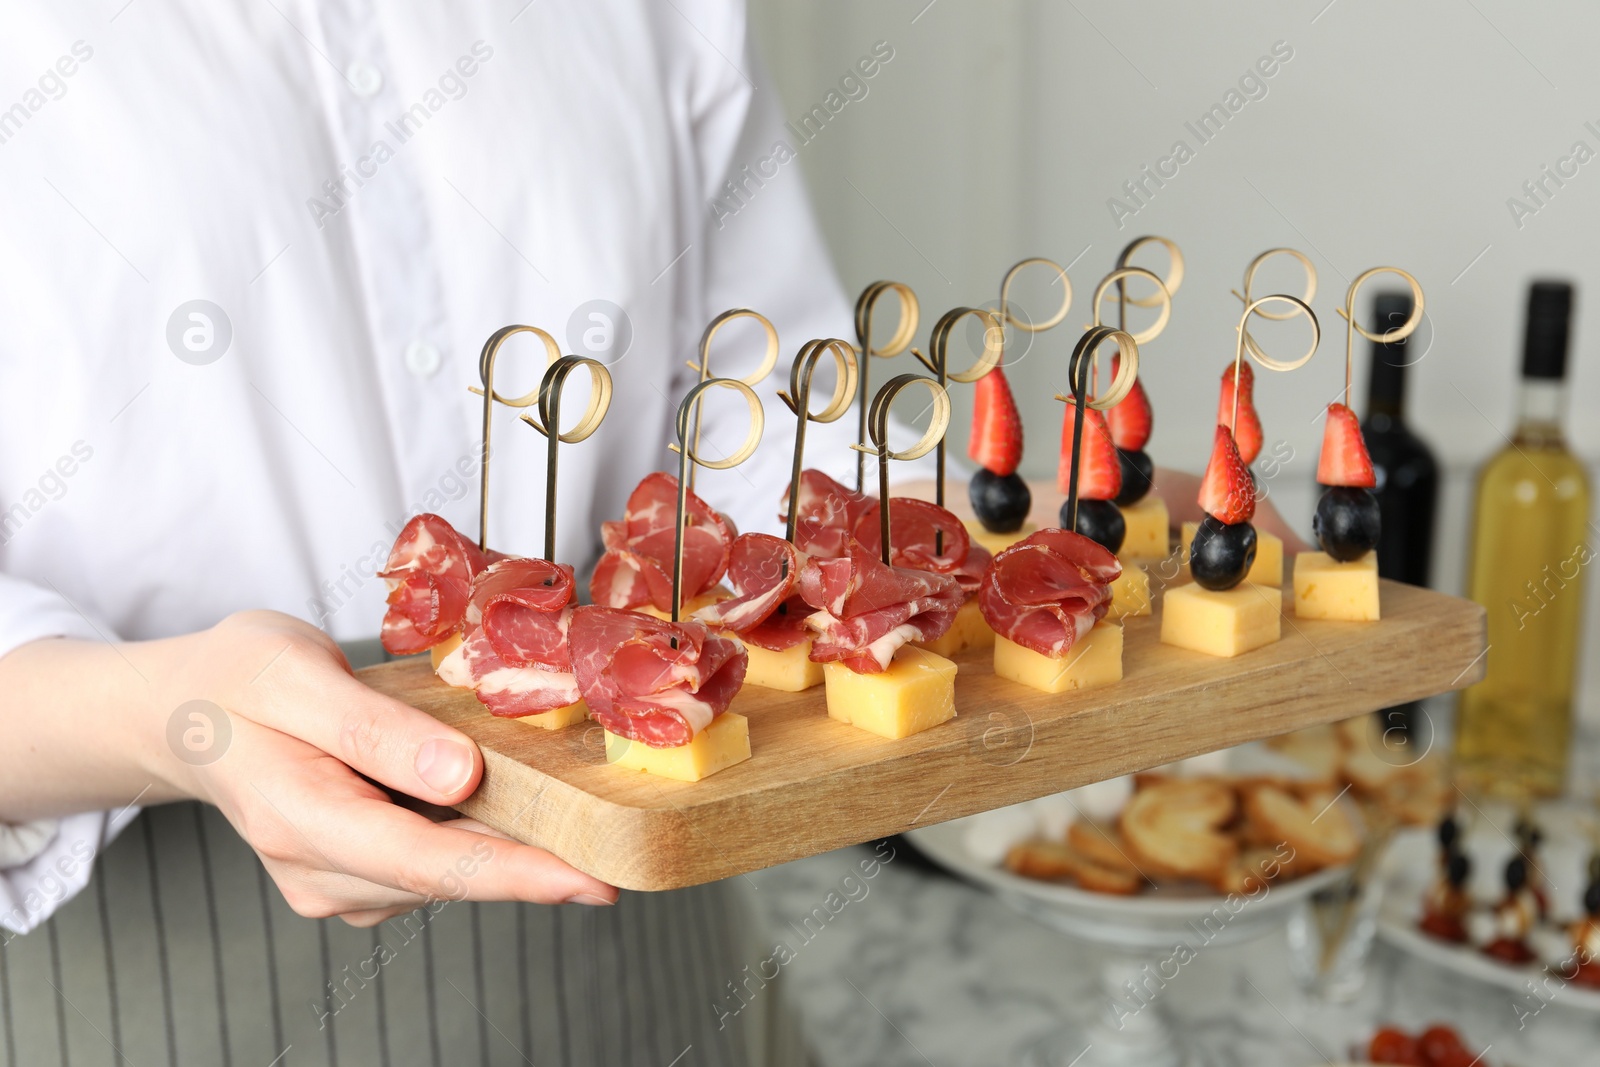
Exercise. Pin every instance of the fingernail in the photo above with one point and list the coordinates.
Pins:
(445, 766)
(591, 900)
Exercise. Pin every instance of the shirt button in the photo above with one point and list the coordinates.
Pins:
(422, 358)
(364, 78)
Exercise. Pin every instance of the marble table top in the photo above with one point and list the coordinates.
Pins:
(913, 966)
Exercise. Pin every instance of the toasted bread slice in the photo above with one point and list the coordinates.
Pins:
(1173, 828)
(1101, 845)
(1321, 832)
(1049, 861)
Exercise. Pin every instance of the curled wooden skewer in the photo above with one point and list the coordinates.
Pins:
(1389, 336)
(1078, 371)
(486, 364)
(878, 430)
(549, 424)
(769, 359)
(898, 342)
(1297, 307)
(939, 366)
(798, 399)
(688, 460)
(1278, 316)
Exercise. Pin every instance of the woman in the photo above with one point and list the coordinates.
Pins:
(253, 253)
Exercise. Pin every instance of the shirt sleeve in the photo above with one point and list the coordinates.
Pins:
(44, 864)
(762, 249)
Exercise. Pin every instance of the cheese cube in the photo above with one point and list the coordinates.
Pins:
(1324, 588)
(1221, 622)
(790, 670)
(917, 692)
(1268, 566)
(690, 606)
(997, 542)
(1130, 593)
(1094, 660)
(722, 744)
(1149, 528)
(437, 653)
(970, 630)
(555, 718)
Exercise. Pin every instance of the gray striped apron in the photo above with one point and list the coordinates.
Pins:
(181, 952)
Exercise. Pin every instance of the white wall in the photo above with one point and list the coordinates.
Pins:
(1394, 135)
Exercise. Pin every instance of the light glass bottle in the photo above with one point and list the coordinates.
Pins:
(1530, 557)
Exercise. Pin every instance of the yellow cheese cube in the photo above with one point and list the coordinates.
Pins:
(1130, 593)
(1324, 588)
(1094, 660)
(997, 542)
(1268, 566)
(437, 653)
(555, 718)
(918, 691)
(1149, 527)
(1221, 622)
(690, 606)
(791, 670)
(722, 744)
(970, 630)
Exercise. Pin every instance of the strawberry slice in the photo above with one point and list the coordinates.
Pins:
(996, 441)
(1248, 433)
(1099, 470)
(1344, 459)
(1131, 418)
(1226, 492)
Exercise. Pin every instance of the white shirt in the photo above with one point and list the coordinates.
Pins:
(366, 193)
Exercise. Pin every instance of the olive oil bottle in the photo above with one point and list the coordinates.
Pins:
(1530, 556)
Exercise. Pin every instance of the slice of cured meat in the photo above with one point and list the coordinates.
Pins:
(636, 568)
(766, 608)
(639, 686)
(925, 537)
(866, 610)
(828, 513)
(1048, 590)
(429, 572)
(515, 653)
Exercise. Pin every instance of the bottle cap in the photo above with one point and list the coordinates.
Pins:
(1387, 386)
(1544, 346)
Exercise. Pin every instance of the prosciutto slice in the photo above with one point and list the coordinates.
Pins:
(766, 609)
(639, 686)
(515, 653)
(828, 513)
(636, 568)
(429, 571)
(866, 610)
(915, 530)
(1048, 590)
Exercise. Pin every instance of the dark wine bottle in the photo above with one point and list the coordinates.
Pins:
(1408, 480)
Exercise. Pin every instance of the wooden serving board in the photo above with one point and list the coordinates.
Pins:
(813, 784)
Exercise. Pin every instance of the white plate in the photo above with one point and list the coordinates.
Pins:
(1409, 869)
(1150, 919)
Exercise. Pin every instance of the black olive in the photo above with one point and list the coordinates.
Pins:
(1100, 521)
(1347, 522)
(1001, 501)
(1221, 553)
(1138, 470)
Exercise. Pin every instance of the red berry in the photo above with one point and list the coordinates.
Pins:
(1344, 459)
(1442, 1047)
(1247, 434)
(1130, 419)
(1099, 470)
(1394, 1046)
(996, 441)
(1226, 492)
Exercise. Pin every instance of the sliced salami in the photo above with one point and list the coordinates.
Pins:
(429, 572)
(766, 608)
(926, 537)
(636, 568)
(865, 610)
(1048, 590)
(514, 653)
(639, 686)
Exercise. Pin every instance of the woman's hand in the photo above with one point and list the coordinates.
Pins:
(298, 738)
